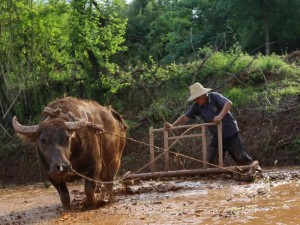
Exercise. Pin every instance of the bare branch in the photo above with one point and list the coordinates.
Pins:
(11, 105)
(203, 62)
(235, 74)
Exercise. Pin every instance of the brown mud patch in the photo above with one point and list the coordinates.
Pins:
(273, 199)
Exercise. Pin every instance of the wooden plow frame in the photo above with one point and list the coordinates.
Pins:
(167, 138)
(190, 172)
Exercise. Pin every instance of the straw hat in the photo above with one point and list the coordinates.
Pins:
(197, 90)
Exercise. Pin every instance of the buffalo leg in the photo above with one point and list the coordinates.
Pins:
(89, 189)
(63, 192)
(108, 176)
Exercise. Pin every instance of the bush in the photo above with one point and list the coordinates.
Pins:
(242, 96)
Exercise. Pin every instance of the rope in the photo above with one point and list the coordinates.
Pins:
(99, 130)
(188, 157)
(124, 177)
(96, 181)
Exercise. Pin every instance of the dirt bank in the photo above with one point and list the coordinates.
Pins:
(274, 199)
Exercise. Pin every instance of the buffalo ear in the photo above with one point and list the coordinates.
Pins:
(28, 139)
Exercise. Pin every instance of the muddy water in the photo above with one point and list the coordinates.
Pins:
(275, 199)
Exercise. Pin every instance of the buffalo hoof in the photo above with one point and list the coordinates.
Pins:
(67, 207)
(102, 203)
(97, 205)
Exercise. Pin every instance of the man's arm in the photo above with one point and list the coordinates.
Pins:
(223, 112)
(181, 120)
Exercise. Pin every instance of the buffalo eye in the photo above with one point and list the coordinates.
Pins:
(43, 140)
(67, 138)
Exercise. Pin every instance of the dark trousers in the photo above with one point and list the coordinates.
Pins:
(234, 146)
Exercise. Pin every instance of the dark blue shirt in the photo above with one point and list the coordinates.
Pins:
(207, 113)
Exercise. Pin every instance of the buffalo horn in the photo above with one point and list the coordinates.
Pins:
(78, 124)
(24, 129)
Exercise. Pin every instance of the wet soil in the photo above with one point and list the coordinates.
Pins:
(220, 199)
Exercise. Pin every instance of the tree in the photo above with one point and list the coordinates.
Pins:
(170, 31)
(32, 49)
(141, 14)
(267, 23)
(53, 47)
(96, 34)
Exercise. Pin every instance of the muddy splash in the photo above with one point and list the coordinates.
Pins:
(274, 199)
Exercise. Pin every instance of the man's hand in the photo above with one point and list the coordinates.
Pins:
(182, 119)
(223, 112)
(167, 126)
(217, 119)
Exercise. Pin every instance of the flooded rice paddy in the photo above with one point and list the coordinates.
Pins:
(273, 199)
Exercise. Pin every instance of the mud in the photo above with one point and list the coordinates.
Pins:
(273, 199)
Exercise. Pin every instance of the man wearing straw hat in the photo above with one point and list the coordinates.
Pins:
(214, 107)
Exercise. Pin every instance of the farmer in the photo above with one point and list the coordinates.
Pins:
(214, 107)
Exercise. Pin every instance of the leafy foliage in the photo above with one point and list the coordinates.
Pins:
(174, 30)
(52, 48)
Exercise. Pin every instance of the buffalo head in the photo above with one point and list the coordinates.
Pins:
(53, 138)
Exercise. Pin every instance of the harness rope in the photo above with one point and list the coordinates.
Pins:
(124, 177)
(99, 130)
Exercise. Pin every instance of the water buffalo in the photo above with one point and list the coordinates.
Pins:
(67, 140)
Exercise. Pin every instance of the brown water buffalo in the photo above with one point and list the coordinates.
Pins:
(67, 139)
